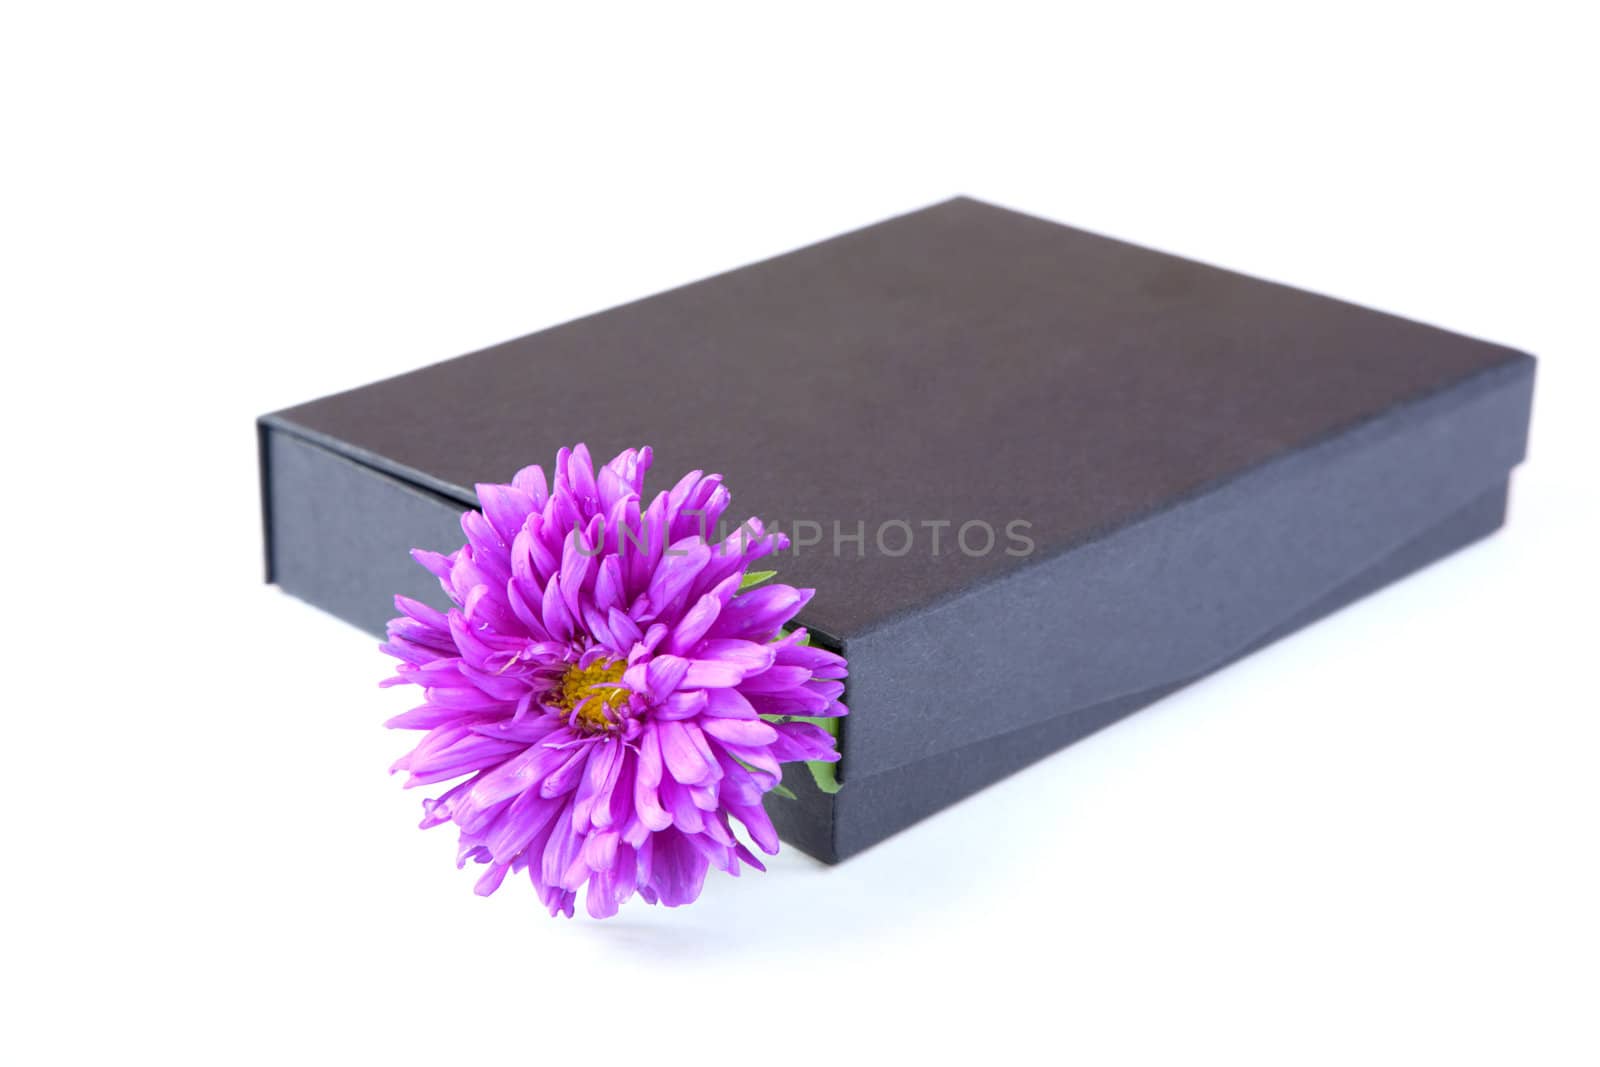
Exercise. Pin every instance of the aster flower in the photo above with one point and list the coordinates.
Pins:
(613, 688)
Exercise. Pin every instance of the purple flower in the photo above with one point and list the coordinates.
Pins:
(608, 686)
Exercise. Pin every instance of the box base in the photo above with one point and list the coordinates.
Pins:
(868, 810)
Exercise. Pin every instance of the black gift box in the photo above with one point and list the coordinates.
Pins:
(1039, 478)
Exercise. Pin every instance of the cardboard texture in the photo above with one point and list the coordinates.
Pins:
(1203, 461)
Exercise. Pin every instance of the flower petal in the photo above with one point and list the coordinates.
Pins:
(646, 801)
(741, 731)
(676, 572)
(684, 751)
(506, 508)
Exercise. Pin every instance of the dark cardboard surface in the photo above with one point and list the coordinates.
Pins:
(1208, 461)
(961, 362)
(1178, 593)
(340, 534)
(877, 806)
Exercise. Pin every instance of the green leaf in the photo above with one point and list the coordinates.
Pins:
(823, 774)
(822, 771)
(784, 791)
(755, 578)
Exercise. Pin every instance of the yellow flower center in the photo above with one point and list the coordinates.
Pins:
(594, 691)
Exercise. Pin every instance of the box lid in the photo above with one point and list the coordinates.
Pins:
(959, 364)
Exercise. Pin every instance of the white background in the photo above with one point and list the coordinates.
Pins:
(1375, 842)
